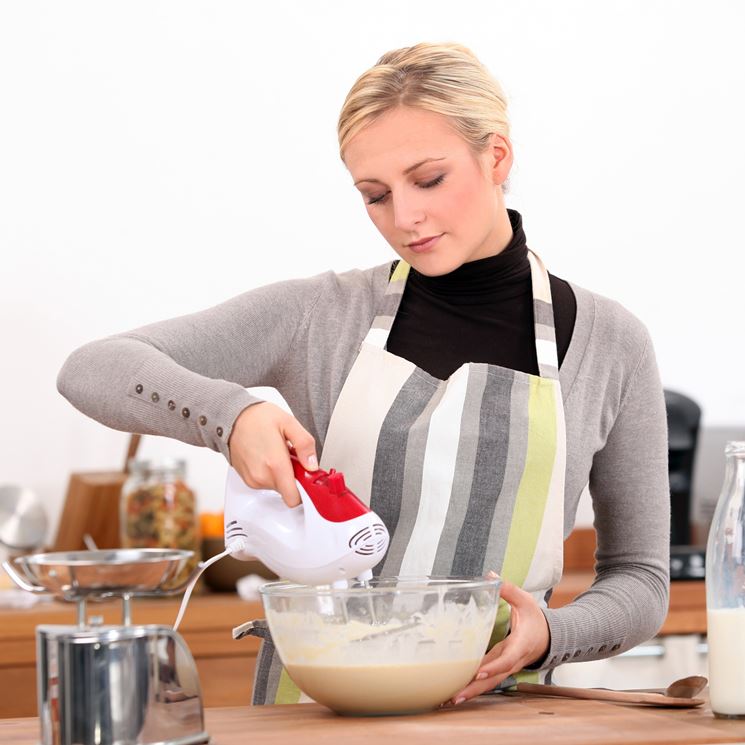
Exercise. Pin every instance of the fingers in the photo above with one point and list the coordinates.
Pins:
(476, 689)
(273, 472)
(302, 441)
(514, 595)
(504, 658)
(502, 661)
(514, 652)
(259, 449)
(284, 481)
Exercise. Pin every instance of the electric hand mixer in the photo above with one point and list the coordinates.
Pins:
(330, 538)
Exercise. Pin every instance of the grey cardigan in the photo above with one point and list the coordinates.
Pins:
(185, 378)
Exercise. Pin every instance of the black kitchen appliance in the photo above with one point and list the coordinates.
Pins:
(683, 421)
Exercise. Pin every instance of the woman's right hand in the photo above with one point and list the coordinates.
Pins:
(259, 449)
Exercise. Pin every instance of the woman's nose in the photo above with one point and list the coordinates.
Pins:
(408, 212)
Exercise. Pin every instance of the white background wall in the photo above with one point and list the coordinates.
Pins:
(159, 157)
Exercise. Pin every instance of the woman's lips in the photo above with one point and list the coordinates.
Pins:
(426, 245)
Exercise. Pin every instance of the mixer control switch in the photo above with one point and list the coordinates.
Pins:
(336, 483)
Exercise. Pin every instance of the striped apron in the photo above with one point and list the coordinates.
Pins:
(466, 473)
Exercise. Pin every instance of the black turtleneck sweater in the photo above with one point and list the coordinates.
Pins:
(481, 312)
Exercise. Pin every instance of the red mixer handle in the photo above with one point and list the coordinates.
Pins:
(328, 492)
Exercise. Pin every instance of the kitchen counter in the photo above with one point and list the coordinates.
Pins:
(506, 719)
(226, 666)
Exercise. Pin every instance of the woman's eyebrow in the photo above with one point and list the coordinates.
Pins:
(406, 172)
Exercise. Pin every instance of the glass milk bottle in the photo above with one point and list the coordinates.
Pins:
(725, 591)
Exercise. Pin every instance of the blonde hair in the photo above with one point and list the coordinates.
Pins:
(446, 79)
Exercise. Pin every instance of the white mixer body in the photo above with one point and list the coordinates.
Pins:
(330, 538)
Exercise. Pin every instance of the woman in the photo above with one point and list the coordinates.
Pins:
(468, 393)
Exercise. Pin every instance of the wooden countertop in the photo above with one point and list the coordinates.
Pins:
(512, 719)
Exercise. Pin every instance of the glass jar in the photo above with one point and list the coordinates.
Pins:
(725, 591)
(158, 510)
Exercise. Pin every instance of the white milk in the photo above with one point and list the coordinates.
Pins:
(726, 637)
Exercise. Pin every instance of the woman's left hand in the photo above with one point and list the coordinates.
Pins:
(527, 642)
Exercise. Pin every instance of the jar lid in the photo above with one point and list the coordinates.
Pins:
(156, 466)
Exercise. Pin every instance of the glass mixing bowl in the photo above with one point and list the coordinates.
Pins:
(388, 646)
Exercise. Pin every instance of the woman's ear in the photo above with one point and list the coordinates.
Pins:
(498, 158)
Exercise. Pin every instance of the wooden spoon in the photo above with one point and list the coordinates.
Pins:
(680, 693)
(686, 687)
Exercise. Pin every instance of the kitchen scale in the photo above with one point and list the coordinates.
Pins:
(124, 684)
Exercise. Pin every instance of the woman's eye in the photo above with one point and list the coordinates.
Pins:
(424, 185)
(377, 200)
(434, 182)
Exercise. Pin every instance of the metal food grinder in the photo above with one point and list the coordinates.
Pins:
(119, 684)
(330, 538)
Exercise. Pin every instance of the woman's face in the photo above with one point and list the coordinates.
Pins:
(421, 180)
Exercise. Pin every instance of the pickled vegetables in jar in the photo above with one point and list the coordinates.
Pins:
(159, 510)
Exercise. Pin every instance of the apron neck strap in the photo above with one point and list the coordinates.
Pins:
(543, 319)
